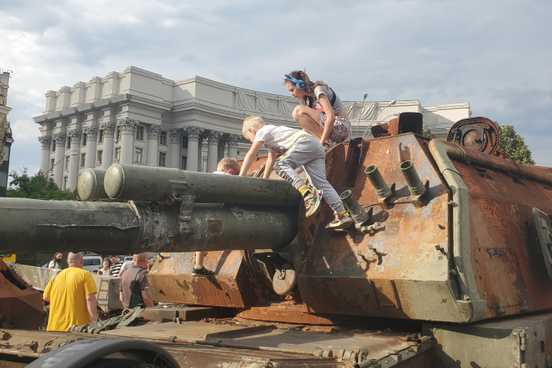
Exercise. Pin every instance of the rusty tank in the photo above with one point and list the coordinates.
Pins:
(448, 263)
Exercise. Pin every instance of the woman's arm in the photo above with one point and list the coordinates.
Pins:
(268, 164)
(250, 157)
(330, 118)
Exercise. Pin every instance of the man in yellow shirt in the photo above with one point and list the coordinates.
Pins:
(72, 296)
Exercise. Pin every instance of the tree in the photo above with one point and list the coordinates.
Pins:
(513, 145)
(37, 187)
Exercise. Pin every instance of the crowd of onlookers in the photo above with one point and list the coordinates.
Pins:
(106, 266)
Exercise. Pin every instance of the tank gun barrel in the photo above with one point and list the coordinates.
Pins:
(144, 183)
(30, 225)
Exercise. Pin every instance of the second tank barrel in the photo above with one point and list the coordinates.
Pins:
(144, 183)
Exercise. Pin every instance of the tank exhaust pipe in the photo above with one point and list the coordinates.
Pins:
(415, 185)
(382, 189)
(358, 213)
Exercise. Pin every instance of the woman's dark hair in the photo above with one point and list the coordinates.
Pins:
(309, 85)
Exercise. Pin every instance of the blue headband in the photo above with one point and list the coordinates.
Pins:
(299, 83)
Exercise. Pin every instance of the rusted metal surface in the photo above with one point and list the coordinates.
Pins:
(346, 347)
(400, 270)
(232, 286)
(183, 313)
(20, 305)
(509, 268)
(476, 133)
(32, 344)
(285, 313)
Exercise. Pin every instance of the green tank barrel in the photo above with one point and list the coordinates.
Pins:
(412, 178)
(358, 213)
(30, 225)
(90, 185)
(144, 183)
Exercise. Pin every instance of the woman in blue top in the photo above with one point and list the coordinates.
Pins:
(320, 112)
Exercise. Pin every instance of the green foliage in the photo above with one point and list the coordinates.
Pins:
(513, 145)
(37, 187)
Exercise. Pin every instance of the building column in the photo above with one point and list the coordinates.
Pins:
(203, 153)
(108, 143)
(174, 149)
(45, 141)
(192, 162)
(74, 158)
(127, 128)
(153, 145)
(91, 146)
(59, 159)
(212, 150)
(233, 146)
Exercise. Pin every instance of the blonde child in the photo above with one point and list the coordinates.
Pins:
(288, 149)
(226, 166)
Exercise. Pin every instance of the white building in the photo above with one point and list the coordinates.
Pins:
(5, 132)
(140, 117)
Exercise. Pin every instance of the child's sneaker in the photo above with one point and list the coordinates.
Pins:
(340, 222)
(312, 198)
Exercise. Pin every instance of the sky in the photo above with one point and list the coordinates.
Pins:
(494, 54)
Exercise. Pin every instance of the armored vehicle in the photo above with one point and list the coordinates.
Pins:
(448, 263)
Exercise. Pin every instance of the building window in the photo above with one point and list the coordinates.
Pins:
(52, 164)
(68, 142)
(99, 157)
(183, 163)
(138, 156)
(100, 136)
(117, 154)
(64, 183)
(163, 138)
(66, 162)
(53, 145)
(139, 133)
(83, 159)
(162, 159)
(117, 135)
(84, 137)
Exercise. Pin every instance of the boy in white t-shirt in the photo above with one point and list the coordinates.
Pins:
(288, 149)
(226, 166)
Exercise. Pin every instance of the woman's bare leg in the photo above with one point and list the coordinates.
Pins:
(307, 119)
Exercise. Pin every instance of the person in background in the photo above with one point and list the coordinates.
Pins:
(106, 267)
(226, 166)
(134, 283)
(72, 296)
(320, 112)
(55, 263)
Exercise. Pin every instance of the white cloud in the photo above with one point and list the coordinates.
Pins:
(437, 51)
